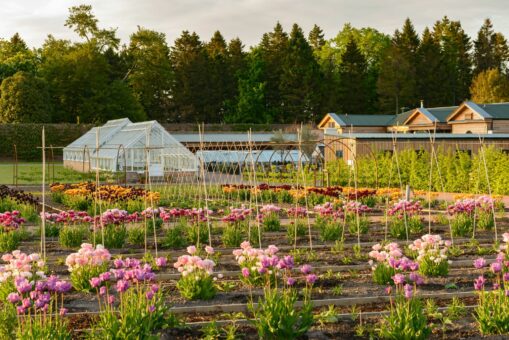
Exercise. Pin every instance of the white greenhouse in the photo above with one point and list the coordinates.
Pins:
(121, 145)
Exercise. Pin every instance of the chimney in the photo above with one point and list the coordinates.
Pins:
(422, 103)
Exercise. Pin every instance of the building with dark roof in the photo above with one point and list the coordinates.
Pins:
(461, 127)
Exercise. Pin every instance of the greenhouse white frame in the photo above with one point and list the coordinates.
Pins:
(127, 146)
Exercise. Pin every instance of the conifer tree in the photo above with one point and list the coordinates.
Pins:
(299, 86)
(353, 81)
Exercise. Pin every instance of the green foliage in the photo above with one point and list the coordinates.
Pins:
(485, 220)
(8, 320)
(383, 274)
(330, 230)
(24, 99)
(406, 321)
(80, 276)
(175, 237)
(133, 318)
(233, 234)
(136, 236)
(198, 233)
(72, 236)
(271, 222)
(399, 227)
(492, 312)
(296, 229)
(490, 86)
(277, 318)
(198, 285)
(9, 241)
(111, 236)
(462, 224)
(356, 224)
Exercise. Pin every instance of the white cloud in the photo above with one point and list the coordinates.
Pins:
(247, 19)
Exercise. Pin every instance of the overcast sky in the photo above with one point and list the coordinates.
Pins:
(247, 19)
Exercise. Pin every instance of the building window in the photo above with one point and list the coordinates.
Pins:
(339, 153)
(469, 116)
(332, 125)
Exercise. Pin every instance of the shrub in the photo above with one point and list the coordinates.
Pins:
(254, 262)
(462, 224)
(198, 233)
(233, 234)
(86, 264)
(388, 260)
(297, 229)
(406, 319)
(73, 236)
(175, 237)
(330, 229)
(10, 230)
(136, 236)
(492, 311)
(141, 310)
(276, 316)
(432, 255)
(196, 281)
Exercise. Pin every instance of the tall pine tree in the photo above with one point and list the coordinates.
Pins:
(397, 84)
(190, 86)
(430, 71)
(300, 80)
(490, 49)
(455, 46)
(353, 81)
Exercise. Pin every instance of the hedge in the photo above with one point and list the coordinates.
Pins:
(27, 138)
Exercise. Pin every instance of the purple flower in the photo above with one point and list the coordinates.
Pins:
(479, 283)
(14, 297)
(305, 269)
(20, 310)
(95, 282)
(408, 289)
(149, 295)
(496, 286)
(311, 278)
(102, 290)
(290, 281)
(506, 277)
(63, 286)
(154, 288)
(151, 309)
(22, 285)
(388, 290)
(399, 279)
(416, 278)
(122, 286)
(63, 311)
(479, 263)
(26, 303)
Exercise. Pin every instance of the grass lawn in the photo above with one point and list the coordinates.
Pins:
(31, 173)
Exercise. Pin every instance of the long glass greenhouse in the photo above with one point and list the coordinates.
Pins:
(120, 145)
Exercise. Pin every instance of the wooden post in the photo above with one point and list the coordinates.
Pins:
(43, 220)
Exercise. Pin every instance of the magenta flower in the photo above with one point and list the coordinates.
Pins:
(311, 278)
(399, 279)
(111, 299)
(479, 263)
(245, 272)
(290, 281)
(13, 297)
(102, 290)
(305, 269)
(95, 282)
(496, 267)
(149, 295)
(122, 286)
(408, 290)
(479, 283)
(161, 262)
(63, 311)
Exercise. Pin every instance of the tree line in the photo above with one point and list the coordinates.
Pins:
(288, 77)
